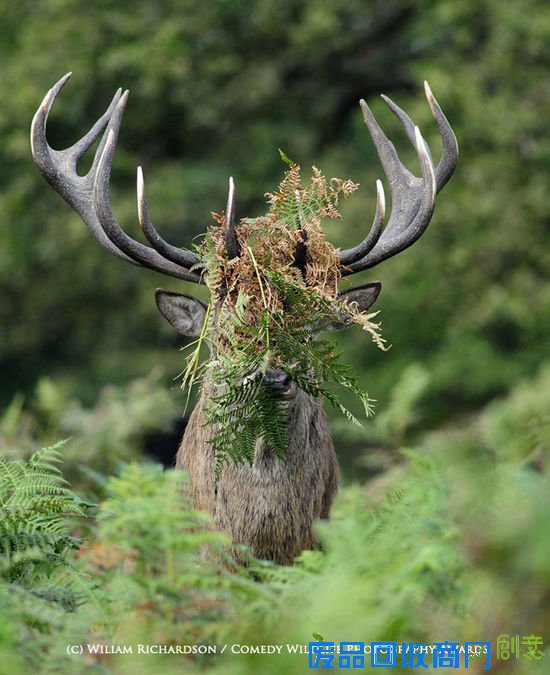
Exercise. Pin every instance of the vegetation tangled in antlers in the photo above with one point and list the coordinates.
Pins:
(271, 304)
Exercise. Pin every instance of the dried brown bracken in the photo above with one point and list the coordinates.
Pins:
(269, 306)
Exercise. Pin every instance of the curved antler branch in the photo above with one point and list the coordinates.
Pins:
(300, 252)
(144, 255)
(351, 255)
(177, 255)
(412, 198)
(447, 164)
(59, 166)
(89, 195)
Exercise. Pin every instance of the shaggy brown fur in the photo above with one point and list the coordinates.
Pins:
(272, 505)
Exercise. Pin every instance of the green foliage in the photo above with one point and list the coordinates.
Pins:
(149, 567)
(452, 543)
(34, 504)
(402, 409)
(39, 583)
(374, 448)
(518, 427)
(485, 252)
(163, 570)
(247, 409)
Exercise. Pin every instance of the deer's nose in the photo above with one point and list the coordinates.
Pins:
(277, 378)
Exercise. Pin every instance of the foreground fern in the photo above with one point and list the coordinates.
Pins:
(34, 534)
(431, 569)
(161, 569)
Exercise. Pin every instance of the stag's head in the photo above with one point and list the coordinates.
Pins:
(412, 207)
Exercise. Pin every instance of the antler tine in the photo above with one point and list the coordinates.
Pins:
(449, 158)
(394, 169)
(412, 198)
(176, 255)
(134, 249)
(447, 163)
(85, 193)
(300, 252)
(351, 255)
(408, 124)
(232, 246)
(44, 152)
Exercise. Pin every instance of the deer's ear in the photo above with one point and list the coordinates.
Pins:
(184, 313)
(362, 296)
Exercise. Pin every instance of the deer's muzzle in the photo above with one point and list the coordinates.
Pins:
(278, 380)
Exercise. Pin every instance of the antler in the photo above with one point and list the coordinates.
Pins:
(89, 194)
(232, 246)
(412, 198)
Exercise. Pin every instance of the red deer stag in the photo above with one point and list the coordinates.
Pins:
(271, 505)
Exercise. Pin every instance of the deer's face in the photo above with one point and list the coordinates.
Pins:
(187, 315)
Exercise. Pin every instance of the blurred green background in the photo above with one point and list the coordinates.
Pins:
(215, 88)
